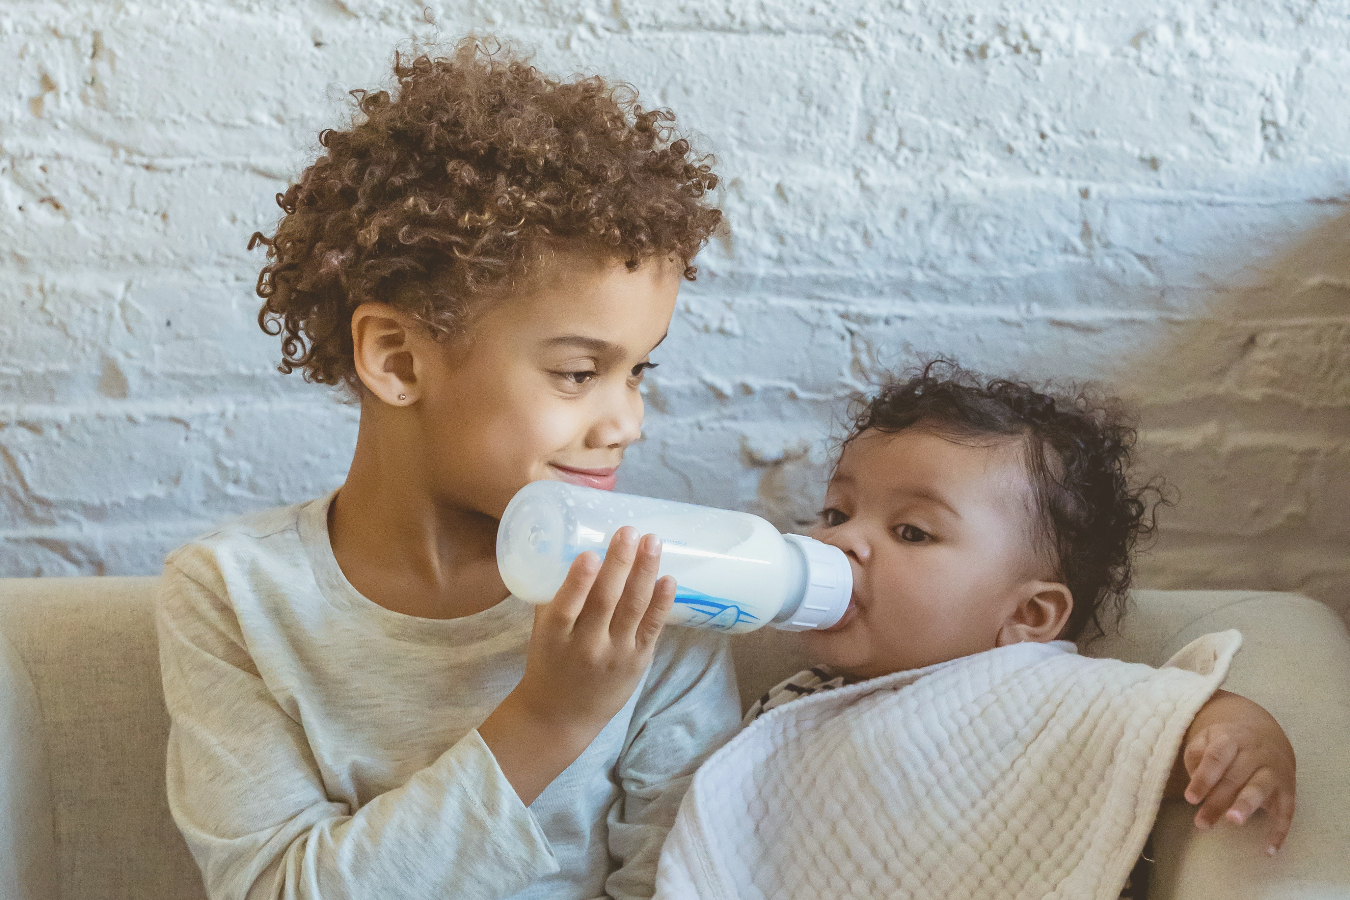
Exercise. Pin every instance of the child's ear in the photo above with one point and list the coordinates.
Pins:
(1042, 609)
(383, 346)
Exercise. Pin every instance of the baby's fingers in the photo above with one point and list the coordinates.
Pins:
(1263, 792)
(1220, 799)
(1252, 797)
(1207, 758)
(1281, 810)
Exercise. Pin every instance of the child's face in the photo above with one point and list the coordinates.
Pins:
(545, 384)
(940, 539)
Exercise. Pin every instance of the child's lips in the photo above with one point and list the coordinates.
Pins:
(601, 479)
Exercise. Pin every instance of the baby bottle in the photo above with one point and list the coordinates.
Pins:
(734, 571)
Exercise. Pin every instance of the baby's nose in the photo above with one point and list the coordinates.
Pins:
(845, 538)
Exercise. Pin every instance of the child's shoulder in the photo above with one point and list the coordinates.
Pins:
(261, 544)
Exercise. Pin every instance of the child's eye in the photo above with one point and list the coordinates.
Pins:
(911, 535)
(577, 377)
(642, 367)
(832, 517)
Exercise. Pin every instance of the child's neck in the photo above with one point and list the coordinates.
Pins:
(403, 550)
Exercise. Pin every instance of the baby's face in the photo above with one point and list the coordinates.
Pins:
(940, 537)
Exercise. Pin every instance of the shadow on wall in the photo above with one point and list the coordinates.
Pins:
(1245, 408)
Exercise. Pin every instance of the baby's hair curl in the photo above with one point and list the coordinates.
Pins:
(1076, 447)
(447, 191)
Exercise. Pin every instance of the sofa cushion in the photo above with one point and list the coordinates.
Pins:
(88, 645)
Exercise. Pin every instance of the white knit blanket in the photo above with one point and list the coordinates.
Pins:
(1024, 772)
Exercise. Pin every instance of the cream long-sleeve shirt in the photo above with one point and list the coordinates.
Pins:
(325, 747)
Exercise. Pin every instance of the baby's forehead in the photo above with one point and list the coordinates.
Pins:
(872, 453)
(961, 468)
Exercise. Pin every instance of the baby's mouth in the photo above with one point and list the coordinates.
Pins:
(846, 618)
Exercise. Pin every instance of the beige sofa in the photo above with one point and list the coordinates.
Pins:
(83, 727)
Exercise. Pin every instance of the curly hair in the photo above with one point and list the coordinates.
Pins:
(479, 162)
(1077, 452)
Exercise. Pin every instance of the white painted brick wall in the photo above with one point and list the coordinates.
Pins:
(1152, 195)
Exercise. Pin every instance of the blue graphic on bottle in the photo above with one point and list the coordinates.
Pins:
(705, 609)
(716, 612)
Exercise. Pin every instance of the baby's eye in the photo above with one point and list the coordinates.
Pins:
(911, 535)
(641, 368)
(832, 517)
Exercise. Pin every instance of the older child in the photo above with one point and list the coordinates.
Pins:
(983, 521)
(487, 261)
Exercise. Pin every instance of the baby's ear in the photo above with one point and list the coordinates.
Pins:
(1042, 609)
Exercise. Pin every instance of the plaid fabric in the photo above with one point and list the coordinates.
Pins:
(818, 678)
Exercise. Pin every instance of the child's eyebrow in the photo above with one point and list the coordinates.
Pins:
(596, 346)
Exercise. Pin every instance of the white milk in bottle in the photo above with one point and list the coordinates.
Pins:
(734, 571)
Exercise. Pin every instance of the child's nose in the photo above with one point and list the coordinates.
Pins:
(620, 423)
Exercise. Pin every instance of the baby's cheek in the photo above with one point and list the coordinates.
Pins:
(828, 649)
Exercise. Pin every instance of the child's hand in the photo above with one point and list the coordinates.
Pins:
(589, 649)
(592, 643)
(1237, 760)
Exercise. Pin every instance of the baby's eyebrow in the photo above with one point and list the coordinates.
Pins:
(928, 497)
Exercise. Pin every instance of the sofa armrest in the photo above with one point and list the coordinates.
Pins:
(1294, 661)
(27, 836)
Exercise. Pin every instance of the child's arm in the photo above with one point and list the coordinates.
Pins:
(251, 798)
(687, 708)
(253, 802)
(591, 648)
(1236, 759)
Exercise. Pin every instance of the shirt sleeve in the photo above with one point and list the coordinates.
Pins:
(246, 792)
(688, 708)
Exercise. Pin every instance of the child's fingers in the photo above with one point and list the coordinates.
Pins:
(609, 582)
(1207, 758)
(663, 598)
(571, 596)
(637, 591)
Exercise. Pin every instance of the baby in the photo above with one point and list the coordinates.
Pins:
(987, 525)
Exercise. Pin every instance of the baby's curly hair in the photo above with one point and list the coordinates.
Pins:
(1077, 451)
(478, 164)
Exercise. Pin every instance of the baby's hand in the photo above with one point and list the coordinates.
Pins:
(1238, 760)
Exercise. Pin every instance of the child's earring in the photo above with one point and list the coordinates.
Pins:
(403, 396)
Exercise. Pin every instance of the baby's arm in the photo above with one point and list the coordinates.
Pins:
(1235, 760)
